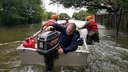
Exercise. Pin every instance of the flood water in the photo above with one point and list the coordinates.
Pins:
(107, 56)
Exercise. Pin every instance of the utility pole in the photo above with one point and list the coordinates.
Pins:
(57, 8)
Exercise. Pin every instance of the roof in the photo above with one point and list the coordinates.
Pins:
(102, 12)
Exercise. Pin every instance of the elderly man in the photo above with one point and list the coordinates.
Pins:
(68, 40)
(68, 37)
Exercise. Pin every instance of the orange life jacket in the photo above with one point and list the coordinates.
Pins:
(50, 22)
(92, 26)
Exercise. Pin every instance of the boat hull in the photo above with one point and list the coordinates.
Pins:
(75, 58)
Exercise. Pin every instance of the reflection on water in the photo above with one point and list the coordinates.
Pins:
(106, 56)
(17, 33)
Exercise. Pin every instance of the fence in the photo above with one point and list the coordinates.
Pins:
(111, 21)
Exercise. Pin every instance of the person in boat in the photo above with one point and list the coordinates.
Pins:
(93, 34)
(68, 37)
(54, 19)
(66, 22)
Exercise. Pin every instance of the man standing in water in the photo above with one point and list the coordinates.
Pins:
(68, 39)
(92, 28)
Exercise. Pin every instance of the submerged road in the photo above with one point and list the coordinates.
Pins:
(106, 56)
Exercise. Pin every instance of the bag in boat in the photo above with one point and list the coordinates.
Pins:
(80, 41)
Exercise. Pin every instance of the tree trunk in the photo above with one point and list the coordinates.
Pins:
(118, 26)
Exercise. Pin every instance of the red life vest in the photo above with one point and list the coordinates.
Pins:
(92, 26)
(50, 22)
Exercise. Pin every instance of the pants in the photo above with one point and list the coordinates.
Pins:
(92, 36)
(49, 60)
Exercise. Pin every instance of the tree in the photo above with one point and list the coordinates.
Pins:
(75, 16)
(110, 5)
(80, 15)
(49, 14)
(63, 16)
(20, 11)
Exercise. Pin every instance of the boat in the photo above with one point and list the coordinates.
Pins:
(76, 58)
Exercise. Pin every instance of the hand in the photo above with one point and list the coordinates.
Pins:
(60, 51)
(48, 28)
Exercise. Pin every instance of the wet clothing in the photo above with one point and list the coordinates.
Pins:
(93, 34)
(68, 43)
(91, 25)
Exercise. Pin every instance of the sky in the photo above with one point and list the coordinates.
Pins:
(59, 10)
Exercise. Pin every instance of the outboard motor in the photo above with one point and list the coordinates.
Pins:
(47, 45)
(47, 42)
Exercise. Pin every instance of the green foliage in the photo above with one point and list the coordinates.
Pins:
(75, 15)
(49, 14)
(20, 11)
(123, 4)
(63, 16)
(110, 5)
(80, 15)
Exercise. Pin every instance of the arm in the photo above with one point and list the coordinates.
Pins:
(56, 27)
(59, 27)
(84, 26)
